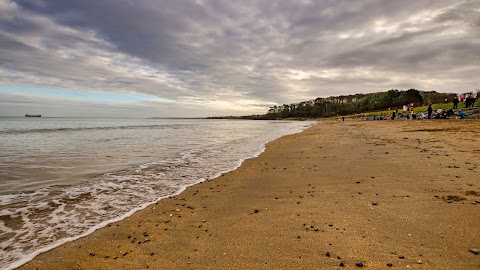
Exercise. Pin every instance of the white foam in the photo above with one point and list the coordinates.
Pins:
(78, 211)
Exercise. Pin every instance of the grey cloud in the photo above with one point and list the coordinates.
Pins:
(192, 51)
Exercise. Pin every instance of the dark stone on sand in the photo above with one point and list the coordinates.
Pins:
(374, 203)
(359, 264)
(256, 211)
(92, 254)
(327, 254)
(358, 182)
(341, 264)
(401, 257)
(330, 225)
(389, 264)
(474, 251)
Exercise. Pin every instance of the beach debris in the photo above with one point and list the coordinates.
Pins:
(453, 198)
(472, 193)
(474, 251)
(419, 261)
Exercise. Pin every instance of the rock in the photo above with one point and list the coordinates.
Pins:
(374, 203)
(327, 254)
(401, 257)
(389, 264)
(419, 261)
(474, 251)
(359, 264)
(341, 264)
(256, 211)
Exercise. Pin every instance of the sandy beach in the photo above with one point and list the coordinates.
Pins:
(371, 194)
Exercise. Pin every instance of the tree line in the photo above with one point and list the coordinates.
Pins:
(356, 104)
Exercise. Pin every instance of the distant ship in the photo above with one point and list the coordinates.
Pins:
(33, 115)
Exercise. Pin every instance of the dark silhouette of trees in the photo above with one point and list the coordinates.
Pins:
(358, 103)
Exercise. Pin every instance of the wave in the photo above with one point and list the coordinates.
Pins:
(34, 222)
(44, 130)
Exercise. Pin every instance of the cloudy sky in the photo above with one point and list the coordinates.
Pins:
(143, 58)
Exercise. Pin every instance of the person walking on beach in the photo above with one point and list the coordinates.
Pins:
(455, 103)
(394, 114)
(429, 111)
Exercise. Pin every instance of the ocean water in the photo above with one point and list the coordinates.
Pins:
(63, 178)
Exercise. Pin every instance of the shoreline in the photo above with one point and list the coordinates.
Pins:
(299, 204)
(233, 166)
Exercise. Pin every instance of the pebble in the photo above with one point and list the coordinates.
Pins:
(401, 257)
(474, 251)
(342, 264)
(374, 203)
(327, 254)
(256, 211)
(359, 264)
(389, 264)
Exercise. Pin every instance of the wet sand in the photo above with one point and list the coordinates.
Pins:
(372, 194)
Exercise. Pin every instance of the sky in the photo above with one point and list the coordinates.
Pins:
(197, 58)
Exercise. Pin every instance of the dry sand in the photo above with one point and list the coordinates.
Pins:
(405, 193)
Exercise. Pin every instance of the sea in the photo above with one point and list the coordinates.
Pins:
(63, 178)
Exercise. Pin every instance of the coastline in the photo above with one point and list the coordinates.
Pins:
(336, 193)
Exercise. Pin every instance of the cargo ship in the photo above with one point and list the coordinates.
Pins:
(33, 115)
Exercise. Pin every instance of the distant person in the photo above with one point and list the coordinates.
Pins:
(405, 108)
(429, 111)
(414, 115)
(455, 103)
(461, 114)
(474, 99)
(343, 119)
(462, 98)
(450, 112)
(394, 114)
(468, 101)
